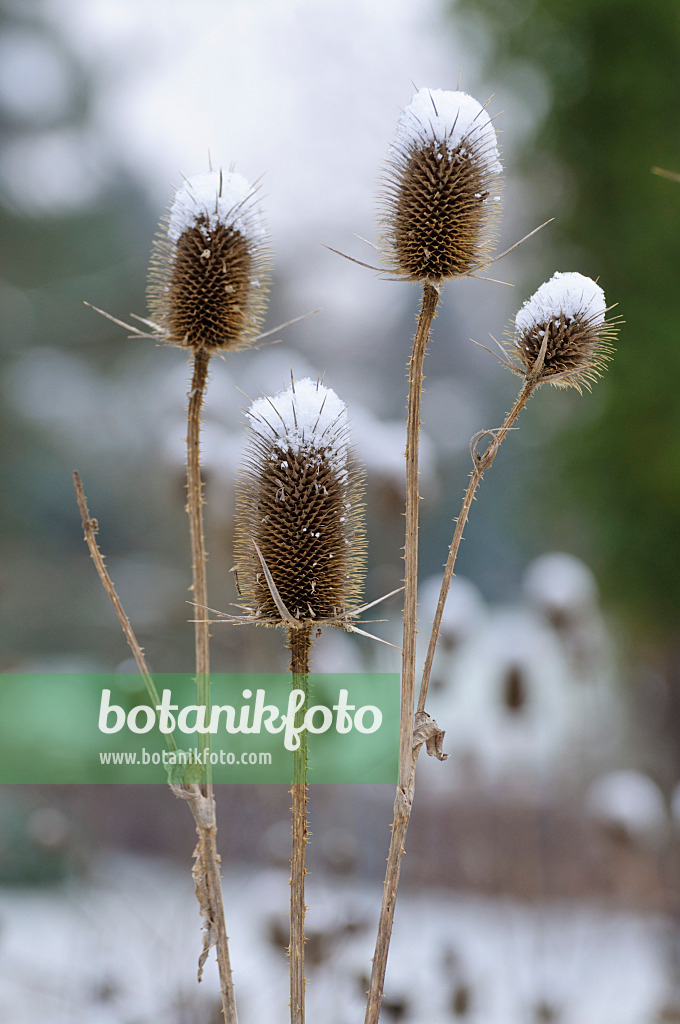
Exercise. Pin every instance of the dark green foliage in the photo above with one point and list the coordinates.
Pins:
(612, 70)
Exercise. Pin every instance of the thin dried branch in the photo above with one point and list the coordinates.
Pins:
(90, 527)
(299, 643)
(425, 319)
(206, 867)
(481, 462)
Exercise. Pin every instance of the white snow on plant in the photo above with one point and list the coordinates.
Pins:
(628, 799)
(452, 118)
(570, 294)
(222, 198)
(306, 416)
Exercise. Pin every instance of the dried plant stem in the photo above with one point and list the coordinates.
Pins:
(207, 867)
(481, 463)
(402, 814)
(402, 804)
(404, 797)
(198, 553)
(415, 381)
(90, 527)
(299, 642)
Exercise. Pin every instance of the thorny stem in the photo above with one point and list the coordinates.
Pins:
(481, 463)
(90, 527)
(198, 553)
(415, 389)
(404, 796)
(402, 814)
(402, 804)
(206, 869)
(207, 857)
(299, 642)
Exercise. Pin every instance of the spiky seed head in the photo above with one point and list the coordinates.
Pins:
(441, 197)
(210, 266)
(299, 499)
(561, 335)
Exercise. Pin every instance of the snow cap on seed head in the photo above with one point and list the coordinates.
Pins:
(438, 207)
(210, 269)
(561, 334)
(299, 500)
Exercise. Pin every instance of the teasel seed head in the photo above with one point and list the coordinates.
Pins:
(441, 188)
(561, 335)
(210, 266)
(299, 501)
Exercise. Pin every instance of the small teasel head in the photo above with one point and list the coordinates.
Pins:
(441, 188)
(299, 509)
(561, 335)
(210, 266)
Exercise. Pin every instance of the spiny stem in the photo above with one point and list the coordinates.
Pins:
(206, 823)
(299, 642)
(402, 805)
(90, 527)
(415, 381)
(198, 553)
(481, 463)
(404, 797)
(206, 870)
(402, 814)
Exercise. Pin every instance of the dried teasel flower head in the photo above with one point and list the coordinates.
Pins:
(561, 335)
(210, 267)
(441, 196)
(299, 501)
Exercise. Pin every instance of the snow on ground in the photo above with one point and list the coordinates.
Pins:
(121, 947)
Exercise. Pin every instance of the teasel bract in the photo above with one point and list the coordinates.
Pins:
(441, 188)
(299, 536)
(210, 266)
(561, 335)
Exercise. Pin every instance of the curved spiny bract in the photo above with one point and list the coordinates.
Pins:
(299, 500)
(438, 212)
(210, 265)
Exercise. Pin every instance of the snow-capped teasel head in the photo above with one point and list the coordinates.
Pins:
(451, 118)
(210, 268)
(442, 194)
(570, 294)
(216, 198)
(299, 544)
(305, 416)
(561, 334)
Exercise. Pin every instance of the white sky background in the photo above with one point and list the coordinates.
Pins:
(304, 92)
(306, 95)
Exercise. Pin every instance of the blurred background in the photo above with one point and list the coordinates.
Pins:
(541, 878)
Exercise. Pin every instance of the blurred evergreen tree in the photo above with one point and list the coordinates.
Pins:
(611, 74)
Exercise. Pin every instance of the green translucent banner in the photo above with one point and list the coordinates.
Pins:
(98, 727)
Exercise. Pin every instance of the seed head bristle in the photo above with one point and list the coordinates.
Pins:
(561, 335)
(210, 265)
(299, 499)
(441, 188)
